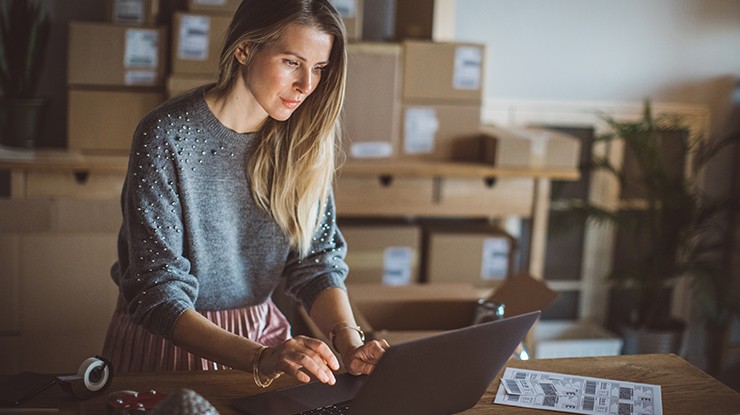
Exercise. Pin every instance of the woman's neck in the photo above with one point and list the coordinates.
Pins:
(236, 108)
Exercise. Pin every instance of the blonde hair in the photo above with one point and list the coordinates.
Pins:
(293, 164)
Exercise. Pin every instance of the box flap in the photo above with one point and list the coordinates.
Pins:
(522, 294)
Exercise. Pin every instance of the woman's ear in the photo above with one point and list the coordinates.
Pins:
(241, 53)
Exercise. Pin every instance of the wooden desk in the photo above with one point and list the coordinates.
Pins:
(685, 388)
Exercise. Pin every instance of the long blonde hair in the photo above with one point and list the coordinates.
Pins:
(293, 164)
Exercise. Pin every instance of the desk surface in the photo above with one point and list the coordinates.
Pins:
(685, 388)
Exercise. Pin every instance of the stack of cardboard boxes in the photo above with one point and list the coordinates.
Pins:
(116, 71)
(417, 99)
(197, 38)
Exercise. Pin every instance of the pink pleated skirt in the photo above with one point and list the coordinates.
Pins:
(131, 348)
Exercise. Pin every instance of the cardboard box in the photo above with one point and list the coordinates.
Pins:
(448, 72)
(351, 11)
(554, 339)
(226, 7)
(440, 132)
(529, 147)
(372, 114)
(197, 42)
(425, 307)
(105, 120)
(383, 254)
(425, 19)
(481, 255)
(143, 12)
(400, 313)
(108, 54)
(179, 84)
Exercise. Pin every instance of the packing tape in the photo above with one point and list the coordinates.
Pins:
(94, 375)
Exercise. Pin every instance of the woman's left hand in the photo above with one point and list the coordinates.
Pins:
(362, 360)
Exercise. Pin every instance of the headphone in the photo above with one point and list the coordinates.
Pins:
(93, 377)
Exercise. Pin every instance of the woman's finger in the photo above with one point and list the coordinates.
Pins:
(301, 358)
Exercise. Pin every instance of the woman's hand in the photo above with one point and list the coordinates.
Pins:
(301, 357)
(362, 360)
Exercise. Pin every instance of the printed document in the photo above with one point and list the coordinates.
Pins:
(577, 394)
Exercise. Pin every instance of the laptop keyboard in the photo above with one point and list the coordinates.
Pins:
(340, 408)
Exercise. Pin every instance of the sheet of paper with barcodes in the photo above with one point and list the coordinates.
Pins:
(577, 394)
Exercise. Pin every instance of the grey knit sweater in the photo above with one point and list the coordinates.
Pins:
(192, 235)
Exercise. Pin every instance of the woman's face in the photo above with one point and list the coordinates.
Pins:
(283, 73)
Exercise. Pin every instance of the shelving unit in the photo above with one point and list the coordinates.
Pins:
(61, 221)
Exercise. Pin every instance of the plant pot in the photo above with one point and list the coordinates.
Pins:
(21, 121)
(653, 340)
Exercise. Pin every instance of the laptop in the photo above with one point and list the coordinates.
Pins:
(440, 374)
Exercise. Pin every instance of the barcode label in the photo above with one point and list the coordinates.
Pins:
(512, 387)
(588, 403)
(625, 409)
(590, 387)
(512, 398)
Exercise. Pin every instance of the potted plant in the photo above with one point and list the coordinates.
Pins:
(24, 35)
(669, 227)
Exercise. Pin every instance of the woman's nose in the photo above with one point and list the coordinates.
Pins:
(304, 82)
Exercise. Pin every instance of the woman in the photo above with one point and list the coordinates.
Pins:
(228, 193)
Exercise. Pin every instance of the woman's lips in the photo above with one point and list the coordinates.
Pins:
(291, 103)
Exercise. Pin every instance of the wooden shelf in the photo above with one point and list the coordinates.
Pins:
(416, 168)
(64, 160)
(61, 160)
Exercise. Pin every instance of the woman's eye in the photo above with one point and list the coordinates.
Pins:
(319, 69)
(290, 62)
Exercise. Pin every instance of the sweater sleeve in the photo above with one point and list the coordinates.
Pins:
(324, 266)
(155, 273)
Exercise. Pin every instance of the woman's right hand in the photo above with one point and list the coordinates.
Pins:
(302, 358)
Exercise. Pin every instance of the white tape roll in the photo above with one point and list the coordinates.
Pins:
(94, 373)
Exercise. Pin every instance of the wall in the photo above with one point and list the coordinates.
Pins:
(682, 51)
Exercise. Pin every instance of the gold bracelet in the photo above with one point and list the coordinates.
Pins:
(256, 370)
(341, 326)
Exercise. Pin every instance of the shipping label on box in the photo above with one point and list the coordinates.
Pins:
(420, 126)
(351, 12)
(398, 262)
(133, 11)
(192, 38)
(475, 254)
(225, 7)
(197, 43)
(468, 63)
(440, 132)
(448, 72)
(141, 52)
(387, 254)
(346, 8)
(108, 54)
(130, 11)
(495, 258)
